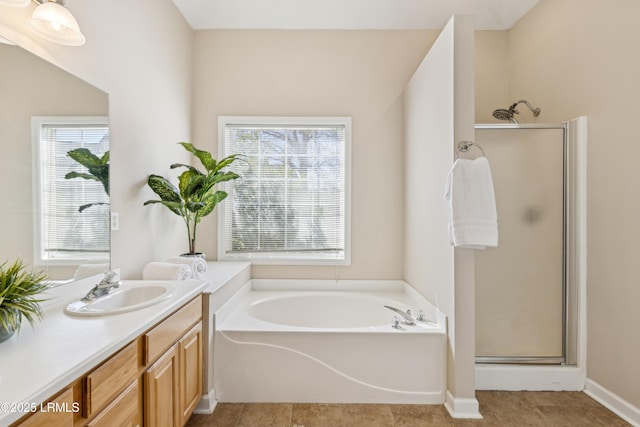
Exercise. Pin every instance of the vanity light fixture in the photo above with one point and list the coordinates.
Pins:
(15, 3)
(52, 21)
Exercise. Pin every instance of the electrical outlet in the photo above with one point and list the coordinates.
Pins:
(115, 221)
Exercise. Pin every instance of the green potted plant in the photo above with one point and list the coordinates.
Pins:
(19, 290)
(194, 198)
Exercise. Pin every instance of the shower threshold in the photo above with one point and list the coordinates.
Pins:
(518, 360)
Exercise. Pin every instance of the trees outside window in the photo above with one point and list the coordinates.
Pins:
(292, 200)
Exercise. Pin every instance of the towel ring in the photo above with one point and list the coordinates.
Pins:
(464, 146)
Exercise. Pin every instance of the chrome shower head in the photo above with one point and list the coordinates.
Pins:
(509, 115)
(506, 115)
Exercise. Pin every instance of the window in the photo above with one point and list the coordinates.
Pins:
(65, 234)
(291, 204)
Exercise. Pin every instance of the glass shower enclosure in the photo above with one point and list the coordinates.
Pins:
(521, 286)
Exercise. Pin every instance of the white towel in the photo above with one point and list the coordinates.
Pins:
(166, 271)
(473, 221)
(196, 263)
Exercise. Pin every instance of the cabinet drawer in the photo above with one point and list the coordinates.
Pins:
(60, 415)
(123, 412)
(160, 338)
(106, 381)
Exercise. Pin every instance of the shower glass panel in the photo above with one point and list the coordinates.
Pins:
(520, 284)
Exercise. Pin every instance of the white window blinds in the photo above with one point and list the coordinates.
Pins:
(65, 232)
(291, 199)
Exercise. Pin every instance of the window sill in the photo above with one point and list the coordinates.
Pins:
(282, 259)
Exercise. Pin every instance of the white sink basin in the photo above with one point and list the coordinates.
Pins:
(123, 299)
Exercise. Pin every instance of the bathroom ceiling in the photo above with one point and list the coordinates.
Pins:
(350, 14)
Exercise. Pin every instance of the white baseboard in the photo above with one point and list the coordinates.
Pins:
(207, 404)
(613, 402)
(533, 378)
(462, 408)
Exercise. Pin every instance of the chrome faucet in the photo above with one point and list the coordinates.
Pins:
(408, 320)
(109, 282)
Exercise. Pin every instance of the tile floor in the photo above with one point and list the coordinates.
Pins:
(499, 408)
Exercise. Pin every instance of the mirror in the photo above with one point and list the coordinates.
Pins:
(54, 212)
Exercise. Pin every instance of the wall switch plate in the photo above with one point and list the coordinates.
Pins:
(115, 221)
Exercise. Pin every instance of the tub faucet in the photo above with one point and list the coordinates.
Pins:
(109, 282)
(408, 320)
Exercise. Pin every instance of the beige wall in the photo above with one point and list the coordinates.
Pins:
(140, 54)
(317, 73)
(491, 74)
(439, 111)
(428, 154)
(580, 57)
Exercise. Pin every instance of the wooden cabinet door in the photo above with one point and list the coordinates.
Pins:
(161, 395)
(190, 358)
(60, 413)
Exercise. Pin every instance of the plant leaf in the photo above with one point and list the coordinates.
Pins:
(194, 207)
(174, 207)
(74, 174)
(98, 168)
(18, 290)
(190, 183)
(210, 202)
(223, 177)
(169, 195)
(205, 157)
(182, 165)
(228, 160)
(163, 188)
(85, 157)
(88, 205)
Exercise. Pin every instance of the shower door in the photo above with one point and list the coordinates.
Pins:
(520, 284)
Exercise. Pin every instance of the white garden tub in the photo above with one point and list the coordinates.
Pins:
(327, 341)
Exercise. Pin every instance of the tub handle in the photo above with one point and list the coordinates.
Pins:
(407, 316)
(423, 318)
(396, 322)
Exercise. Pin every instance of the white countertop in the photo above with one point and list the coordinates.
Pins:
(39, 362)
(219, 273)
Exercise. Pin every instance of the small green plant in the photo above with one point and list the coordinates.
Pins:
(97, 170)
(19, 291)
(194, 198)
